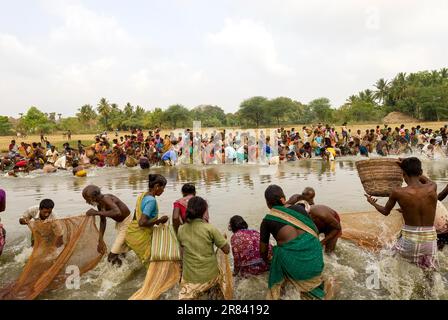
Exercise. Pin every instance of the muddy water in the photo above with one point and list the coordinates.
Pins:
(229, 190)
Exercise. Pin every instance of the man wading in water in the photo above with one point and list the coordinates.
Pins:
(109, 206)
(418, 202)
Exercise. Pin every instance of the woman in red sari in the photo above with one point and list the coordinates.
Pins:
(246, 249)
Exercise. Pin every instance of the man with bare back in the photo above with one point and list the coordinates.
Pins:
(109, 206)
(325, 218)
(418, 202)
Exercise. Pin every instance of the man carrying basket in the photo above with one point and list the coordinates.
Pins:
(418, 201)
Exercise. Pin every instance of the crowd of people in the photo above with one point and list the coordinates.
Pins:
(252, 251)
(223, 147)
(303, 232)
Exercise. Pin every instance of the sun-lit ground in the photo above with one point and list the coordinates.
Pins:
(58, 139)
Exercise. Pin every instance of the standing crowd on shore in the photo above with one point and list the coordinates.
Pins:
(221, 147)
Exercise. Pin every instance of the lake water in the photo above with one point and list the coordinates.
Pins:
(229, 190)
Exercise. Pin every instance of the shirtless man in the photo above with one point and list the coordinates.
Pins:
(327, 222)
(308, 195)
(418, 201)
(109, 206)
(326, 219)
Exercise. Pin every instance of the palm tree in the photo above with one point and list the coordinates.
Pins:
(114, 107)
(366, 95)
(399, 86)
(104, 109)
(352, 99)
(382, 87)
(444, 73)
(86, 114)
(139, 110)
(128, 110)
(435, 77)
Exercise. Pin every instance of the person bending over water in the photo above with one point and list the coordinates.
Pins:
(298, 257)
(308, 195)
(109, 206)
(327, 222)
(200, 272)
(418, 201)
(325, 218)
(246, 249)
(146, 215)
(42, 212)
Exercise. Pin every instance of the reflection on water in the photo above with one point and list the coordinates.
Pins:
(230, 190)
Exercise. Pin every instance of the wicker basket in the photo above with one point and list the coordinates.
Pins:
(90, 153)
(379, 176)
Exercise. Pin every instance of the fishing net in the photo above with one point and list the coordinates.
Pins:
(371, 230)
(59, 246)
(226, 280)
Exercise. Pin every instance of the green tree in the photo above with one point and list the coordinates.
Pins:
(296, 113)
(72, 123)
(321, 110)
(5, 126)
(277, 108)
(116, 117)
(153, 119)
(139, 112)
(382, 87)
(359, 111)
(35, 121)
(253, 110)
(87, 116)
(104, 109)
(176, 115)
(233, 119)
(210, 116)
(128, 110)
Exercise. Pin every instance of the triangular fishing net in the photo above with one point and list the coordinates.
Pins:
(58, 245)
(371, 230)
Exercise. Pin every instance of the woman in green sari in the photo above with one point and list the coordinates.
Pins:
(298, 256)
(139, 233)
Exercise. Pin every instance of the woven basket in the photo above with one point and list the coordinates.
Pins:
(379, 176)
(90, 153)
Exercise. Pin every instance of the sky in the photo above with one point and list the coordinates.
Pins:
(59, 55)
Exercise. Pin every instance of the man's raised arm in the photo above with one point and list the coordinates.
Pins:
(387, 208)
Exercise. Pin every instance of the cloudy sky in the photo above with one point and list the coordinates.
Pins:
(59, 55)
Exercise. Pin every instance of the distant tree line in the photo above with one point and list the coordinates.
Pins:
(422, 95)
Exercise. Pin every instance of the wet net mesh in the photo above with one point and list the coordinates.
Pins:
(371, 230)
(58, 244)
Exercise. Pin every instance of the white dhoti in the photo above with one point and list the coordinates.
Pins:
(119, 245)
